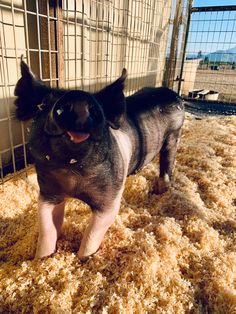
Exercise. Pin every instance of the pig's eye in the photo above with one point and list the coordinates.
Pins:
(59, 111)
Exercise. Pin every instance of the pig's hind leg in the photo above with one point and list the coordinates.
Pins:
(167, 162)
(50, 218)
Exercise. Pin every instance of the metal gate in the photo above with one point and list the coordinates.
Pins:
(209, 67)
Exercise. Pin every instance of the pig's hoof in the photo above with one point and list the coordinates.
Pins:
(84, 259)
(161, 186)
(44, 251)
(43, 256)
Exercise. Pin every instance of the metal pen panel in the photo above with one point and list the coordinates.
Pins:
(76, 44)
(209, 67)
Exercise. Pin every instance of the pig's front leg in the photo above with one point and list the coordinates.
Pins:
(98, 225)
(50, 218)
(167, 162)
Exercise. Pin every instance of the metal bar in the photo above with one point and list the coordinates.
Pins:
(45, 80)
(9, 149)
(2, 80)
(26, 33)
(143, 49)
(39, 41)
(112, 41)
(128, 43)
(139, 69)
(117, 12)
(82, 48)
(5, 6)
(60, 44)
(148, 38)
(30, 50)
(49, 43)
(89, 42)
(184, 48)
(214, 8)
(107, 43)
(67, 45)
(18, 174)
(132, 30)
(124, 36)
(75, 44)
(17, 71)
(174, 44)
(96, 46)
(234, 27)
(22, 124)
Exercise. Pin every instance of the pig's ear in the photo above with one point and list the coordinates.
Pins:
(30, 92)
(112, 100)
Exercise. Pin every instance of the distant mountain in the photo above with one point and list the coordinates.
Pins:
(228, 55)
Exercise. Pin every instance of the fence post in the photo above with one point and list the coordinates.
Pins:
(60, 44)
(174, 45)
(185, 46)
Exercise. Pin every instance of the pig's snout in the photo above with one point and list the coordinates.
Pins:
(81, 114)
(74, 117)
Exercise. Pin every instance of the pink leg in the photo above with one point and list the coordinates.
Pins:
(96, 229)
(50, 222)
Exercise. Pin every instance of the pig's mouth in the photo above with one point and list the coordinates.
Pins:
(78, 137)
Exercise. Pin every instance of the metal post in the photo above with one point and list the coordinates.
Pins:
(60, 44)
(185, 45)
(174, 44)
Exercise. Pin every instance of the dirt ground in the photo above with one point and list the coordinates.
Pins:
(174, 253)
(222, 81)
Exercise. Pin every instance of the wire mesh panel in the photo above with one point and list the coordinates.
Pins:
(12, 138)
(102, 37)
(210, 65)
(26, 28)
(76, 44)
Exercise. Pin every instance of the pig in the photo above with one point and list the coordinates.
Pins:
(84, 145)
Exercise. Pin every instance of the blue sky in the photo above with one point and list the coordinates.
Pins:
(202, 3)
(212, 31)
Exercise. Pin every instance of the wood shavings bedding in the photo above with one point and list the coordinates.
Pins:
(174, 253)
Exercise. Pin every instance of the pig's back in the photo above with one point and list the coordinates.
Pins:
(149, 98)
(153, 112)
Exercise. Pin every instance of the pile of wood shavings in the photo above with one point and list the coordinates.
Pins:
(174, 253)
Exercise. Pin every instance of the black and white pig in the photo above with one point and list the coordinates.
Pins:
(84, 145)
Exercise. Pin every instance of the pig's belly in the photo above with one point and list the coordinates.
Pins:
(150, 136)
